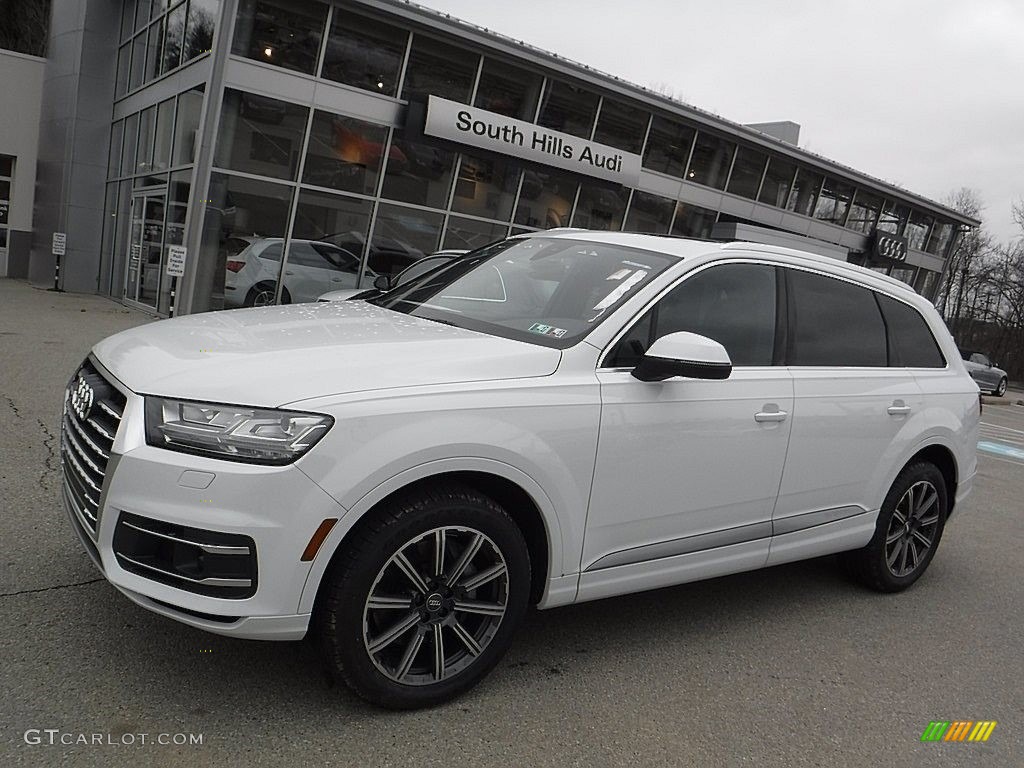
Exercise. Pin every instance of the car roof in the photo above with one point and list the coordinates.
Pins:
(688, 248)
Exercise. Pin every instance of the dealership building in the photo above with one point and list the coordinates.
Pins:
(290, 147)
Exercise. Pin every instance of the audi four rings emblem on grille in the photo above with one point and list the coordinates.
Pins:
(81, 398)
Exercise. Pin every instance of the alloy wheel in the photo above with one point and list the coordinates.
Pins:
(912, 529)
(263, 298)
(435, 605)
(1001, 388)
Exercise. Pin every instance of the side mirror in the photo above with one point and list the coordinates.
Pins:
(684, 354)
(382, 283)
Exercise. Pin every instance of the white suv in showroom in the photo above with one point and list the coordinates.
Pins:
(554, 418)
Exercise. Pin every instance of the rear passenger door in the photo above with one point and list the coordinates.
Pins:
(852, 406)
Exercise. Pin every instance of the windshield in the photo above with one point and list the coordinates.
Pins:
(542, 290)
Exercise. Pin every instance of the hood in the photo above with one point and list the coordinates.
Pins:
(277, 355)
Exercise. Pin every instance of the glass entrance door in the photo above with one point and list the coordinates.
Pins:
(145, 249)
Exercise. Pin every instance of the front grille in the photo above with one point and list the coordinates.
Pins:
(196, 560)
(92, 415)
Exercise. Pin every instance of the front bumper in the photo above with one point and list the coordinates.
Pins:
(277, 509)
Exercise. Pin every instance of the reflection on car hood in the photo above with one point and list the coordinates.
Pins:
(340, 295)
(277, 355)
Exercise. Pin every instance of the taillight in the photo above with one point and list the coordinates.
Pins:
(234, 266)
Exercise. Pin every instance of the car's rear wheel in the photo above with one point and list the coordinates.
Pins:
(907, 533)
(264, 295)
(424, 599)
(1001, 387)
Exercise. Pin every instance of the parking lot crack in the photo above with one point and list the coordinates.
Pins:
(50, 464)
(12, 406)
(49, 589)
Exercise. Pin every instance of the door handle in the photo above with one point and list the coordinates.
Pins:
(898, 408)
(768, 416)
(335, 279)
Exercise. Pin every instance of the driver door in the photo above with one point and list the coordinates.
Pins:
(688, 470)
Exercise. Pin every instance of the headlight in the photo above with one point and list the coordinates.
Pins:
(254, 435)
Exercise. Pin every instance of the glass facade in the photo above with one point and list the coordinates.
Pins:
(285, 33)
(710, 161)
(569, 109)
(159, 36)
(833, 201)
(149, 178)
(303, 199)
(778, 182)
(747, 172)
(508, 90)
(804, 195)
(668, 146)
(365, 53)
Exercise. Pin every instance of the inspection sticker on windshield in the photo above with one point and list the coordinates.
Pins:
(620, 290)
(548, 330)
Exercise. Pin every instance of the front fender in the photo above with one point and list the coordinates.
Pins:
(557, 554)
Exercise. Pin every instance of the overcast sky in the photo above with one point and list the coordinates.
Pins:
(927, 94)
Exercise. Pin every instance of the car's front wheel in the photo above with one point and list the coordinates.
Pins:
(424, 599)
(1000, 388)
(907, 533)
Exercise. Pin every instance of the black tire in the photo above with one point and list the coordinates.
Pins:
(348, 625)
(256, 295)
(1000, 389)
(873, 565)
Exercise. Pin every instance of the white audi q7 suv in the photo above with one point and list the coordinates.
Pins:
(554, 418)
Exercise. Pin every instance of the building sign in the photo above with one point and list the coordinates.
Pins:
(889, 248)
(59, 244)
(176, 260)
(527, 141)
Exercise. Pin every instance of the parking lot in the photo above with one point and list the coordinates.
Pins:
(791, 666)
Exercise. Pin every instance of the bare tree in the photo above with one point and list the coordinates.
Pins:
(24, 25)
(971, 245)
(983, 294)
(667, 90)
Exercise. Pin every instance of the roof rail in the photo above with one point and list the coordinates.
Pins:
(816, 257)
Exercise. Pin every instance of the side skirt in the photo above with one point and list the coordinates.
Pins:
(851, 532)
(666, 571)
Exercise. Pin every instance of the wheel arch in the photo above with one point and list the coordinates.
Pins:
(523, 499)
(945, 461)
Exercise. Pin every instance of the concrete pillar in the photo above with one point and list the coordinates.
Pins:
(74, 139)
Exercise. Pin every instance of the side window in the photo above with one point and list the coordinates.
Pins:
(911, 343)
(734, 304)
(834, 323)
(301, 253)
(339, 258)
(272, 252)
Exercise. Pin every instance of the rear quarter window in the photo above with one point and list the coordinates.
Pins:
(911, 342)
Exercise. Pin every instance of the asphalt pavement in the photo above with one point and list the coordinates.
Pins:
(791, 666)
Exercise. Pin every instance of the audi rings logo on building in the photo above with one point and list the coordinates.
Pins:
(888, 247)
(82, 396)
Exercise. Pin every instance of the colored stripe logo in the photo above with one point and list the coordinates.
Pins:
(958, 730)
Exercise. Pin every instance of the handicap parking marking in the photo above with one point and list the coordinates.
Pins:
(1001, 449)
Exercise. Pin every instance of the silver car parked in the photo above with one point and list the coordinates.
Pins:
(990, 377)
